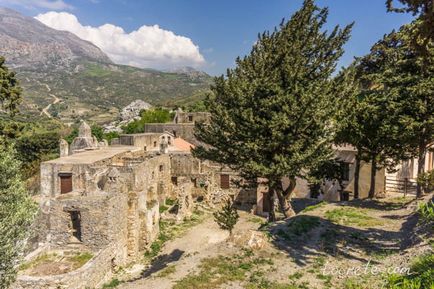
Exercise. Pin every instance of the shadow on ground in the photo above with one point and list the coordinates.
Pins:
(305, 237)
(160, 263)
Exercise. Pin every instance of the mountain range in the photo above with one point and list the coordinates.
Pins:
(69, 78)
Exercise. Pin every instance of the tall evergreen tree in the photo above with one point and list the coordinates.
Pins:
(271, 115)
(10, 91)
(407, 78)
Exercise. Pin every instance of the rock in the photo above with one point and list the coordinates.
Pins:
(252, 239)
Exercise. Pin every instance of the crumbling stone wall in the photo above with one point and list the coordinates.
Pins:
(92, 275)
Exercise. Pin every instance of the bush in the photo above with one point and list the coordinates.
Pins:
(426, 211)
(426, 180)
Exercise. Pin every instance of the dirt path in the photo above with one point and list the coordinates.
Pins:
(55, 101)
(300, 253)
(184, 254)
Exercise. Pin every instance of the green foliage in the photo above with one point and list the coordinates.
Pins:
(396, 111)
(157, 115)
(426, 211)
(227, 217)
(421, 277)
(10, 90)
(81, 259)
(271, 115)
(314, 207)
(112, 284)
(17, 211)
(426, 181)
(300, 225)
(34, 141)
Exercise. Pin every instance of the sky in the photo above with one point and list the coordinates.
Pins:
(205, 34)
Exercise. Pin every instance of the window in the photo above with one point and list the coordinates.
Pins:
(155, 144)
(194, 181)
(345, 171)
(65, 183)
(190, 118)
(174, 181)
(161, 168)
(224, 181)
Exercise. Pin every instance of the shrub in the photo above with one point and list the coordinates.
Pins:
(426, 211)
(227, 217)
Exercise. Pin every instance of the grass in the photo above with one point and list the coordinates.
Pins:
(44, 258)
(77, 260)
(352, 216)
(163, 208)
(81, 259)
(301, 225)
(167, 271)
(421, 277)
(171, 230)
(245, 268)
(314, 207)
(112, 284)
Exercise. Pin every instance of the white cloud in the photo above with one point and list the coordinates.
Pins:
(32, 4)
(148, 46)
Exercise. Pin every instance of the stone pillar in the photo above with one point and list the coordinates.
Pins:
(64, 148)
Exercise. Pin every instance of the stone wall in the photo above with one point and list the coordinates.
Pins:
(102, 219)
(142, 140)
(183, 130)
(191, 117)
(92, 275)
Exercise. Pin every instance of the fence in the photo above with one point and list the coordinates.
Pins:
(404, 186)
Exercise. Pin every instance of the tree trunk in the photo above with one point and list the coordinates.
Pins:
(373, 175)
(284, 196)
(356, 177)
(420, 169)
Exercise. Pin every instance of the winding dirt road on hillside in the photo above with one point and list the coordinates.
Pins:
(55, 100)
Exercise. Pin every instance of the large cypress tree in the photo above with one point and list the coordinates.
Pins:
(407, 78)
(271, 115)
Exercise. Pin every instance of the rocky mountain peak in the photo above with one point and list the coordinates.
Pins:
(26, 42)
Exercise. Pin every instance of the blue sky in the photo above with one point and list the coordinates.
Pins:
(222, 29)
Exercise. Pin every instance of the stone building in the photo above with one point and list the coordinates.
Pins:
(106, 199)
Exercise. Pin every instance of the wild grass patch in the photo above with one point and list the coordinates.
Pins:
(314, 207)
(170, 230)
(112, 284)
(245, 268)
(421, 275)
(352, 216)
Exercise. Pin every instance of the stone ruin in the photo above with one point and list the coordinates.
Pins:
(106, 200)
